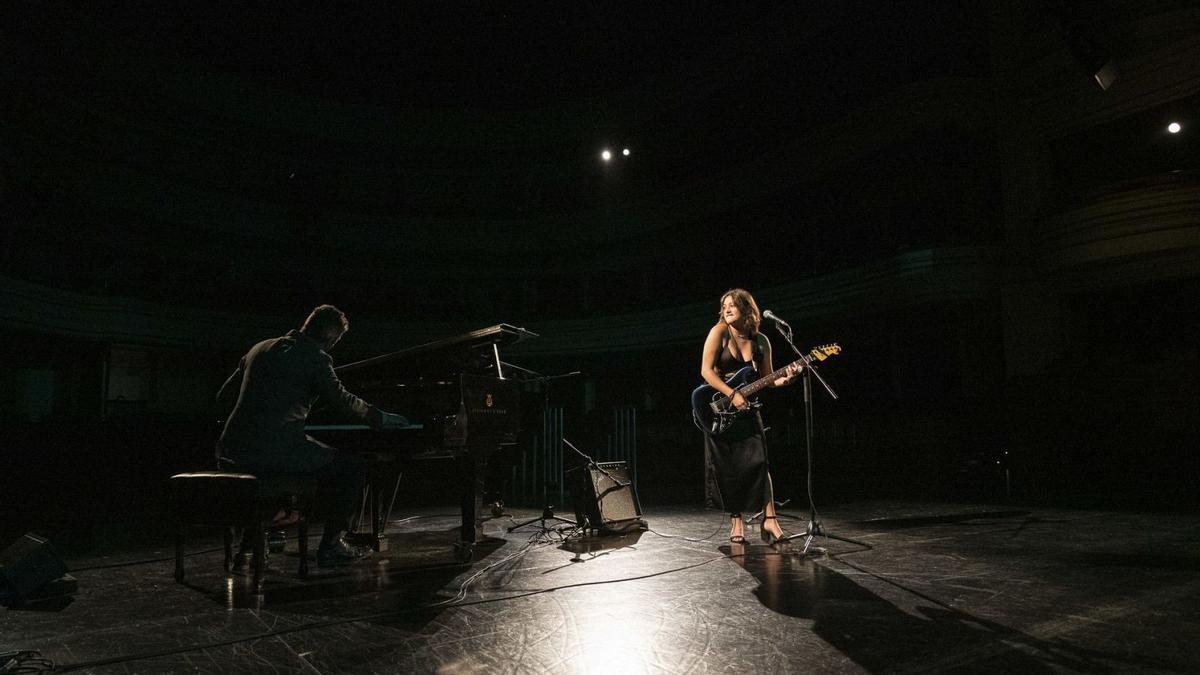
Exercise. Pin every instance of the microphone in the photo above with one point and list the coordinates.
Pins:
(768, 314)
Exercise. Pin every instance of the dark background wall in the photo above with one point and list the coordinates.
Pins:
(1006, 252)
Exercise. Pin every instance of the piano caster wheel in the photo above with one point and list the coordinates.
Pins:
(497, 509)
(464, 551)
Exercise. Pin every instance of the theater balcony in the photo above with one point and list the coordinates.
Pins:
(1142, 230)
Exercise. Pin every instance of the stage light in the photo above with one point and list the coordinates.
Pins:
(1106, 74)
(1077, 23)
(1174, 127)
(606, 155)
(625, 152)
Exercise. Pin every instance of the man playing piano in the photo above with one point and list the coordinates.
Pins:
(277, 382)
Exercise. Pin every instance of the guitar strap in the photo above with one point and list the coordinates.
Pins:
(755, 348)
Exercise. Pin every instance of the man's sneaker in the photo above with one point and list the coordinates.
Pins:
(341, 554)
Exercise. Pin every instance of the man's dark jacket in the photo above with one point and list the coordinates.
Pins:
(279, 380)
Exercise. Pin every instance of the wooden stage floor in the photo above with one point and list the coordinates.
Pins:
(921, 588)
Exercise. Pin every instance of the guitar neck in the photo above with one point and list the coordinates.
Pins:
(766, 380)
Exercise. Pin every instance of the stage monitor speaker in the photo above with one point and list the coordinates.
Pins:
(26, 566)
(606, 498)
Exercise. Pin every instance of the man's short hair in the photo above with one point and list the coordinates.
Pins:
(323, 318)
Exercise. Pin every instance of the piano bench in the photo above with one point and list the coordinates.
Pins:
(227, 499)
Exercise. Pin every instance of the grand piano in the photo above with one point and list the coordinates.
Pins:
(461, 408)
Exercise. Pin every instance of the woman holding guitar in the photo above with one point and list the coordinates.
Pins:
(739, 453)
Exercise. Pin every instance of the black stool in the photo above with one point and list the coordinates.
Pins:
(227, 500)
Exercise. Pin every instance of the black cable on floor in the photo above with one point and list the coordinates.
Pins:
(24, 661)
(680, 536)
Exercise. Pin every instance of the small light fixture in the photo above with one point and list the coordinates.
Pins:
(625, 152)
(606, 155)
(1174, 128)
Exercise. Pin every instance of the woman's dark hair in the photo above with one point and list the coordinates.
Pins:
(745, 303)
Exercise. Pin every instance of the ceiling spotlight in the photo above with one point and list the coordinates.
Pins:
(1105, 75)
(1174, 127)
(625, 152)
(606, 155)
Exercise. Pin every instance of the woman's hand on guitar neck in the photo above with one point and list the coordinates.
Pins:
(789, 374)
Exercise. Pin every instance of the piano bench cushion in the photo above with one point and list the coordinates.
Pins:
(228, 498)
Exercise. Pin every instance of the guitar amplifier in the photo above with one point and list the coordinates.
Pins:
(605, 498)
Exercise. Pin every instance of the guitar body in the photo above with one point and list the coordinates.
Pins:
(714, 413)
(711, 410)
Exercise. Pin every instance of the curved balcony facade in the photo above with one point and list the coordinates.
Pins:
(925, 277)
(1142, 231)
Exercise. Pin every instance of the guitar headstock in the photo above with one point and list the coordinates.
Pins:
(825, 351)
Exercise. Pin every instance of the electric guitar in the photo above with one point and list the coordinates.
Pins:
(713, 412)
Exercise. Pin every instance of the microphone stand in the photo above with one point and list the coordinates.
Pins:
(814, 527)
(592, 464)
(548, 512)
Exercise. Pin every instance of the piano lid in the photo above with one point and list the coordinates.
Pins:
(475, 341)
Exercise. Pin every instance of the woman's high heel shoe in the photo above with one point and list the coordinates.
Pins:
(769, 536)
(736, 538)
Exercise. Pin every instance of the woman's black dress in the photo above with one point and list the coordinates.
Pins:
(738, 457)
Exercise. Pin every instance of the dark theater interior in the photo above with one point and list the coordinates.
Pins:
(600, 337)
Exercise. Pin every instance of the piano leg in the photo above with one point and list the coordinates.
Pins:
(472, 470)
